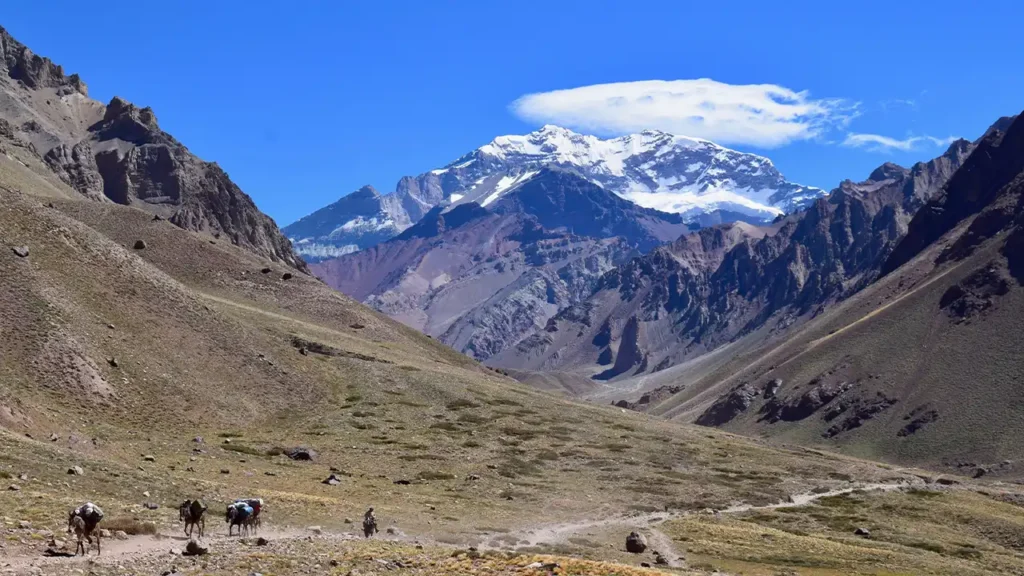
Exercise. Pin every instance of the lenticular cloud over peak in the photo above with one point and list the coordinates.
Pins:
(764, 115)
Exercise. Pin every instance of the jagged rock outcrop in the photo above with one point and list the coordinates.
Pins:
(34, 71)
(649, 399)
(76, 166)
(119, 153)
(974, 188)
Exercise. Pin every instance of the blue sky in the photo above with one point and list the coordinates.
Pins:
(302, 104)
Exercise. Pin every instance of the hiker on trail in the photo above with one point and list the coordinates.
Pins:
(369, 523)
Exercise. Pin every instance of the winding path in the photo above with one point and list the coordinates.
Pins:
(115, 551)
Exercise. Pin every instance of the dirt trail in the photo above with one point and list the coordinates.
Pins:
(115, 551)
(137, 547)
(561, 533)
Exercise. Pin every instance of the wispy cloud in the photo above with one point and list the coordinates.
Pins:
(879, 143)
(897, 103)
(764, 115)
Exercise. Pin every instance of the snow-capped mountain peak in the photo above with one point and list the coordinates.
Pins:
(653, 169)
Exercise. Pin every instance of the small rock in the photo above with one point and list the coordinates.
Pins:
(149, 458)
(76, 471)
(24, 524)
(265, 271)
(402, 482)
(120, 535)
(225, 471)
(286, 276)
(140, 244)
(146, 493)
(113, 362)
(348, 520)
(23, 477)
(174, 552)
(356, 326)
(332, 480)
(157, 217)
(198, 440)
(269, 473)
(20, 251)
(14, 488)
(334, 563)
(862, 532)
(660, 560)
(104, 533)
(645, 564)
(261, 541)
(472, 477)
(315, 530)
(391, 530)
(54, 437)
(193, 548)
(636, 543)
(151, 505)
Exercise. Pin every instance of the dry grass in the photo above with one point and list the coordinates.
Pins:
(917, 532)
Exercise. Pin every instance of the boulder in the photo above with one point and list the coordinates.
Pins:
(636, 543)
(301, 453)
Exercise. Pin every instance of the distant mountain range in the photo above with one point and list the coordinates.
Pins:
(480, 279)
(690, 179)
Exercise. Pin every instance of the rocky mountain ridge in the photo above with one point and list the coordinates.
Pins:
(119, 153)
(662, 308)
(476, 279)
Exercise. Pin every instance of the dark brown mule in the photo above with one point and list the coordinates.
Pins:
(193, 514)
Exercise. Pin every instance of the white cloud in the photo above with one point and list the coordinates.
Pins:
(878, 143)
(764, 115)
